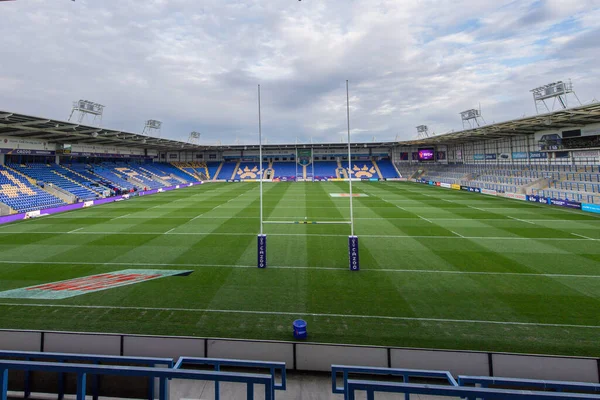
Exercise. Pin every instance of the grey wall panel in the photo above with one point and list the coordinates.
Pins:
(173, 347)
(23, 341)
(458, 363)
(316, 357)
(264, 351)
(82, 343)
(551, 368)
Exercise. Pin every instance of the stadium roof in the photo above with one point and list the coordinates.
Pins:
(56, 131)
(577, 116)
(25, 126)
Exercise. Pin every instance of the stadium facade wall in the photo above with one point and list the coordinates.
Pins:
(303, 356)
(504, 149)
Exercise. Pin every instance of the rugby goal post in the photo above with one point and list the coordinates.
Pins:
(353, 253)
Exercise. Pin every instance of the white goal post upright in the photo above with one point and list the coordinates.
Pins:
(262, 238)
(352, 239)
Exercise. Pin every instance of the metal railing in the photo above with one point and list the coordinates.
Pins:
(88, 358)
(162, 374)
(470, 393)
(273, 367)
(406, 374)
(559, 386)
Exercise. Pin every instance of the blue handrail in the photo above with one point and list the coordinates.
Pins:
(486, 381)
(90, 358)
(406, 374)
(162, 374)
(470, 393)
(273, 367)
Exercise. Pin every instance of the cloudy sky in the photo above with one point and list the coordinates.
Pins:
(195, 64)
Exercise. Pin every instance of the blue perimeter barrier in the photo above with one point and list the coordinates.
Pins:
(89, 358)
(217, 363)
(560, 386)
(471, 393)
(162, 374)
(345, 370)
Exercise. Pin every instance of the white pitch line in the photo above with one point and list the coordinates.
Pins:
(289, 313)
(302, 234)
(170, 230)
(294, 267)
(581, 236)
(423, 218)
(521, 220)
(458, 234)
(121, 216)
(75, 230)
(356, 218)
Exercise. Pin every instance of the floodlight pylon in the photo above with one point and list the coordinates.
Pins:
(84, 109)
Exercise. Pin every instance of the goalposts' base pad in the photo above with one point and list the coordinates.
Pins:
(262, 251)
(353, 253)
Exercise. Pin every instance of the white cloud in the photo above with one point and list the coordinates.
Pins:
(196, 64)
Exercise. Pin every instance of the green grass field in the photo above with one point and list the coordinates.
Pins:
(440, 268)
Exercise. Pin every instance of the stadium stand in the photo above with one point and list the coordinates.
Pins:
(568, 182)
(23, 196)
(387, 168)
(248, 170)
(227, 170)
(166, 173)
(197, 170)
(363, 169)
(325, 169)
(188, 375)
(285, 169)
(51, 173)
(213, 168)
(117, 180)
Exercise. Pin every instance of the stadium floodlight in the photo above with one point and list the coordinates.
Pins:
(152, 128)
(559, 92)
(471, 118)
(194, 138)
(85, 108)
(422, 131)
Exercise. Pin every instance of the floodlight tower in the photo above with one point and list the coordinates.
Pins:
(471, 118)
(85, 108)
(194, 138)
(422, 131)
(559, 92)
(152, 128)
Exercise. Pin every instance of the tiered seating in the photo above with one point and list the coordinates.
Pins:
(51, 173)
(286, 169)
(248, 170)
(363, 169)
(138, 177)
(213, 167)
(115, 179)
(226, 171)
(582, 197)
(325, 169)
(387, 169)
(20, 195)
(167, 173)
(194, 168)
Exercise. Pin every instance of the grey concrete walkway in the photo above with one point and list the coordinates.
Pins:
(300, 386)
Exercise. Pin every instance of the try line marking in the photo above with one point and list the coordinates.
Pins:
(288, 313)
(299, 234)
(292, 267)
